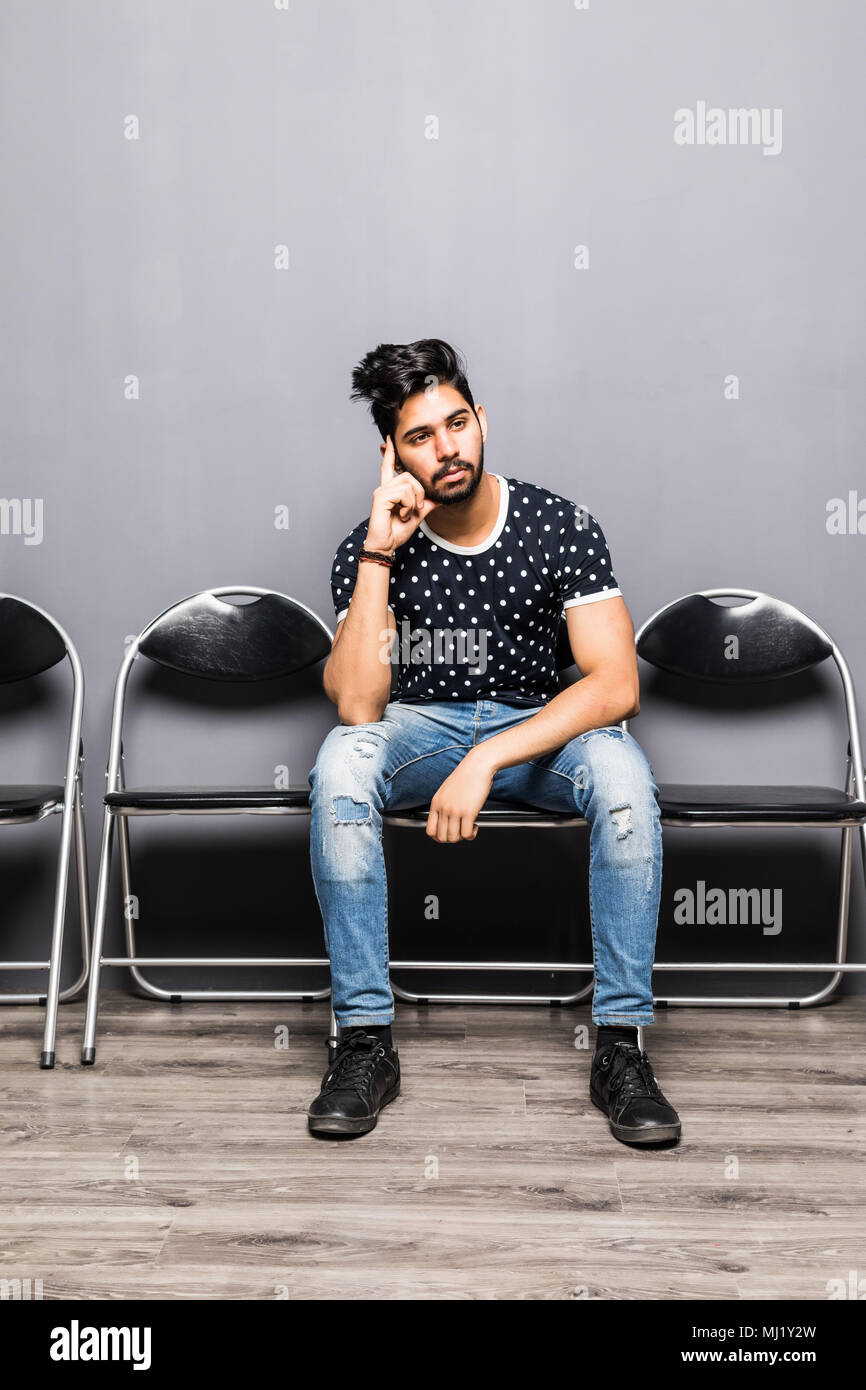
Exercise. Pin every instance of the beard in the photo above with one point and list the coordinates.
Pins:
(448, 496)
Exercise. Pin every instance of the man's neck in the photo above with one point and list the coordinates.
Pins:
(469, 522)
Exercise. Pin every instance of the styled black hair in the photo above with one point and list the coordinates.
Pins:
(393, 372)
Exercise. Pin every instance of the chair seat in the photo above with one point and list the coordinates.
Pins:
(155, 800)
(26, 802)
(692, 805)
(721, 804)
(498, 812)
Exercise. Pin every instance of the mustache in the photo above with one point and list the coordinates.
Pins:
(457, 463)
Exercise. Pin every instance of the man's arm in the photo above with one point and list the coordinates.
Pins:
(601, 636)
(357, 674)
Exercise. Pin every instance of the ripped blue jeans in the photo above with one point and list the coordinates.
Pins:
(401, 760)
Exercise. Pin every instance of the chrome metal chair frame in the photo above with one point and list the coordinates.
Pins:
(115, 780)
(854, 780)
(854, 783)
(71, 812)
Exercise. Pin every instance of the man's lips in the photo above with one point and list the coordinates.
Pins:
(453, 473)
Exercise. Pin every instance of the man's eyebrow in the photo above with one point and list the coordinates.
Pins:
(416, 429)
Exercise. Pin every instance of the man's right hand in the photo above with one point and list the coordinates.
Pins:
(399, 506)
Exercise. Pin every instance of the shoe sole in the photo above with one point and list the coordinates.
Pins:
(642, 1135)
(346, 1124)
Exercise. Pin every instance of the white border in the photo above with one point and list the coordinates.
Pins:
(591, 598)
(491, 539)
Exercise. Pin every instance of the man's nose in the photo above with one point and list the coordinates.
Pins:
(445, 446)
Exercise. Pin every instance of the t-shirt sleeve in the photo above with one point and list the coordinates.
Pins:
(584, 570)
(344, 573)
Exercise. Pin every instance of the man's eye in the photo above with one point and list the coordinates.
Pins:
(460, 422)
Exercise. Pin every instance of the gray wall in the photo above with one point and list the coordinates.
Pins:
(306, 126)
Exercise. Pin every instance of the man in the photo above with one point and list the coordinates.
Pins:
(477, 570)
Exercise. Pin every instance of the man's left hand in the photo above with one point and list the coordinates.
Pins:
(459, 799)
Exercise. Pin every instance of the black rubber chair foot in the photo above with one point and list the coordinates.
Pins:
(46, 1061)
(88, 1056)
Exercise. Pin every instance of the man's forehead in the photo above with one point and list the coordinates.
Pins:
(429, 407)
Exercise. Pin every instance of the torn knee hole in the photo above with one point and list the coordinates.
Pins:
(622, 820)
(365, 743)
(345, 810)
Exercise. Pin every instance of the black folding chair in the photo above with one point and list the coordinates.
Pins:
(687, 637)
(204, 636)
(694, 638)
(31, 641)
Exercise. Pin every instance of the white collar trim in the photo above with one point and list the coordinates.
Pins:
(485, 544)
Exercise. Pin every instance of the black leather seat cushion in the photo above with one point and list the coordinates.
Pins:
(257, 798)
(503, 811)
(710, 804)
(208, 798)
(704, 805)
(24, 800)
(701, 805)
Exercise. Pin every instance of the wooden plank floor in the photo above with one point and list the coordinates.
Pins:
(180, 1166)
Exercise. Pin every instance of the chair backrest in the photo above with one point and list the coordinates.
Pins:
(205, 636)
(764, 639)
(30, 641)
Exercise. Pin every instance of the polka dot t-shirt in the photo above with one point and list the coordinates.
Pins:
(481, 622)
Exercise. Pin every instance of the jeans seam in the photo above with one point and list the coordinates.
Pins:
(448, 748)
(556, 773)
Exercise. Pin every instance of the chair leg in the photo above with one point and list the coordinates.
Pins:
(843, 912)
(176, 996)
(73, 991)
(333, 1039)
(128, 927)
(88, 1050)
(55, 959)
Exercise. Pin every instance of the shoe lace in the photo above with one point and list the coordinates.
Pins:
(631, 1074)
(356, 1060)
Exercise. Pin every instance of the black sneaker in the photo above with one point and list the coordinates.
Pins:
(622, 1084)
(363, 1077)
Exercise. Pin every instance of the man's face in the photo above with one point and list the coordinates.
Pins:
(440, 441)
